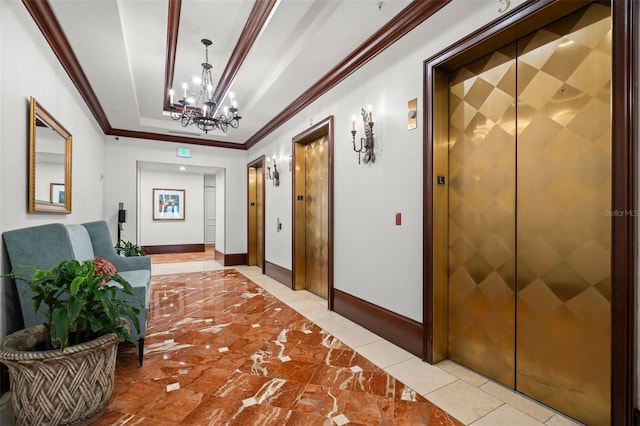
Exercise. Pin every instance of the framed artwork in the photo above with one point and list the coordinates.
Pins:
(168, 204)
(56, 193)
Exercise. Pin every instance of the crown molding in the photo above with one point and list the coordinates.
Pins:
(42, 14)
(410, 17)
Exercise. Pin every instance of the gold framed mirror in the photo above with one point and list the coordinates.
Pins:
(49, 163)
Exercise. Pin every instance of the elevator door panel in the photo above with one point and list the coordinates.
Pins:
(316, 217)
(259, 217)
(563, 231)
(529, 215)
(255, 253)
(482, 215)
(253, 211)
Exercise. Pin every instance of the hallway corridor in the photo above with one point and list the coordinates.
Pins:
(207, 329)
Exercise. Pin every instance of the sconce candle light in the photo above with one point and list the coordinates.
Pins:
(275, 176)
(366, 143)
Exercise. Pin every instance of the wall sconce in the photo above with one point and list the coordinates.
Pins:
(366, 143)
(275, 176)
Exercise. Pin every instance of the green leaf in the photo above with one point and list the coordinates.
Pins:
(61, 329)
(74, 307)
(75, 285)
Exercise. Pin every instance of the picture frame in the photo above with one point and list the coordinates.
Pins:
(57, 193)
(168, 204)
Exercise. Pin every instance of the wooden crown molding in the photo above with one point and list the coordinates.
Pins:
(173, 25)
(410, 17)
(257, 20)
(42, 14)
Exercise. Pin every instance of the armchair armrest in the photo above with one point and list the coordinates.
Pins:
(103, 247)
(128, 263)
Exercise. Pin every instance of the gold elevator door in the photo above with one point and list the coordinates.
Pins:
(529, 234)
(256, 226)
(312, 217)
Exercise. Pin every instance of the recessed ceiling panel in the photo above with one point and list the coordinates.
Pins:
(122, 49)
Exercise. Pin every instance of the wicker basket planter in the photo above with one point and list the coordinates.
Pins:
(70, 387)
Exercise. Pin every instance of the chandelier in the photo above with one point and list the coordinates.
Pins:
(202, 110)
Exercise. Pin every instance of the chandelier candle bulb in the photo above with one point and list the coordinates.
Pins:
(353, 123)
(171, 97)
(184, 88)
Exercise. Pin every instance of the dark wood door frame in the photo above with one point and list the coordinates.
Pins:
(322, 128)
(518, 22)
(257, 163)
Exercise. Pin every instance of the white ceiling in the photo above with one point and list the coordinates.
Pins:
(121, 46)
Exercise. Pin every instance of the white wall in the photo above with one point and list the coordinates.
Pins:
(29, 68)
(167, 232)
(210, 180)
(278, 207)
(124, 184)
(221, 213)
(367, 197)
(3, 283)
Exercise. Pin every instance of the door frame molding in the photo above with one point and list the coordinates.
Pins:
(624, 127)
(322, 128)
(258, 162)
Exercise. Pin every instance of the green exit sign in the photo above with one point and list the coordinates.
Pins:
(183, 152)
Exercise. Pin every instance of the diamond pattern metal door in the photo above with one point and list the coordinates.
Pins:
(482, 215)
(255, 253)
(534, 179)
(252, 215)
(259, 217)
(317, 217)
(563, 231)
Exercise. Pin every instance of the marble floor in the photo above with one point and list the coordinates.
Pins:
(233, 346)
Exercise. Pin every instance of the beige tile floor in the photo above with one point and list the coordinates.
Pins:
(468, 396)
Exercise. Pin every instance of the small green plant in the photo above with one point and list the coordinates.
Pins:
(80, 302)
(129, 249)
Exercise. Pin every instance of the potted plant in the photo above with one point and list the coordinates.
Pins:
(128, 249)
(62, 371)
